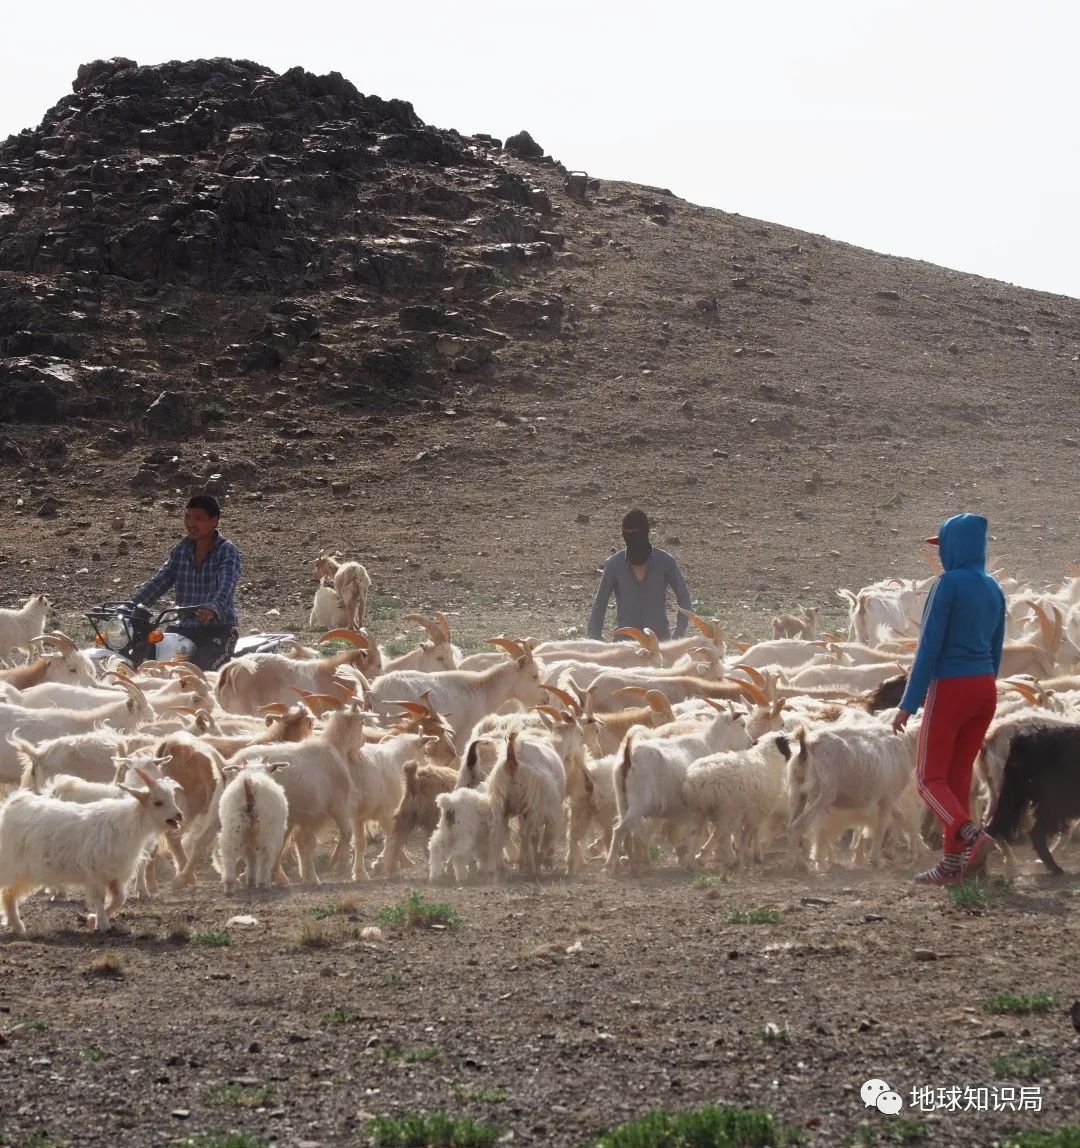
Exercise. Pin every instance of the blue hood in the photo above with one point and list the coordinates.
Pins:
(962, 542)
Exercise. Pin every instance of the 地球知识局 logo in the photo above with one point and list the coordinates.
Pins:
(879, 1094)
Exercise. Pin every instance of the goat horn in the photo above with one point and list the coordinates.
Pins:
(751, 691)
(354, 637)
(417, 708)
(444, 625)
(639, 636)
(432, 628)
(752, 672)
(658, 701)
(564, 697)
(514, 649)
(325, 701)
(698, 621)
(551, 711)
(272, 708)
(635, 691)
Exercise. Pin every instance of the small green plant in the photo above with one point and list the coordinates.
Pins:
(45, 1140)
(108, 965)
(1013, 1067)
(656, 852)
(754, 917)
(1021, 1003)
(392, 980)
(976, 896)
(863, 1137)
(713, 1126)
(213, 414)
(340, 1016)
(242, 1095)
(212, 938)
(483, 1095)
(396, 649)
(907, 1129)
(1067, 1136)
(30, 1026)
(703, 881)
(409, 1055)
(94, 1054)
(321, 912)
(313, 935)
(417, 912)
(773, 1033)
(437, 1130)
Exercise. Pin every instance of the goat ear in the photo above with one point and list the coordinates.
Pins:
(270, 719)
(140, 795)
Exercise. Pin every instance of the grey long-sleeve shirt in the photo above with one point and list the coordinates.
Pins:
(641, 604)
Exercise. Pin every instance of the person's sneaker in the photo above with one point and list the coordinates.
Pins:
(941, 874)
(976, 854)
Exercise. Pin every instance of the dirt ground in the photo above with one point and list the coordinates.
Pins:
(553, 1011)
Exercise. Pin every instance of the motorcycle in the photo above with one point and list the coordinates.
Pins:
(134, 634)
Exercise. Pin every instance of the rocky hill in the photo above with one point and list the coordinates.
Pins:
(447, 357)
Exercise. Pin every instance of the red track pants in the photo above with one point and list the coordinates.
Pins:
(958, 711)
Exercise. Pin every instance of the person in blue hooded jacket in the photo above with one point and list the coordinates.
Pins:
(954, 672)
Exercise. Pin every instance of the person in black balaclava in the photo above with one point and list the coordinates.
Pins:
(639, 576)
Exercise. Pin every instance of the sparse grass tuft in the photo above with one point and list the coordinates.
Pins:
(94, 1054)
(321, 912)
(212, 938)
(417, 1130)
(242, 1095)
(392, 980)
(313, 935)
(44, 1140)
(340, 1016)
(179, 933)
(30, 1025)
(907, 1129)
(1067, 1136)
(212, 414)
(975, 896)
(713, 1126)
(773, 1033)
(483, 1095)
(417, 912)
(409, 1055)
(754, 917)
(1022, 1003)
(107, 964)
(703, 881)
(656, 852)
(1012, 1067)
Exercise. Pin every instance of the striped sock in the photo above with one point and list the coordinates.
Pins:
(968, 832)
(950, 863)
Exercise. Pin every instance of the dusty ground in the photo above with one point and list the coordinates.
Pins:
(554, 1011)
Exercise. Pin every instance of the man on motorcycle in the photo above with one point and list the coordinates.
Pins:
(204, 567)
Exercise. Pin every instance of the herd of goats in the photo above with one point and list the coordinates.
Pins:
(535, 755)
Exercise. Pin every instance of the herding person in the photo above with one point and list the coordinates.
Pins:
(639, 576)
(204, 567)
(959, 652)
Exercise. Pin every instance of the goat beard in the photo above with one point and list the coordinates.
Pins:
(638, 549)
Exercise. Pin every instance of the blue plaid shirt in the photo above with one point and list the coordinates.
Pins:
(212, 584)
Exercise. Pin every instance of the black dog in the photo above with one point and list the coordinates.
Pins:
(1043, 771)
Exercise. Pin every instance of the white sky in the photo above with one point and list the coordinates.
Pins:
(939, 129)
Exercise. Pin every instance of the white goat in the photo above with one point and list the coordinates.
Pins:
(351, 583)
(743, 793)
(19, 626)
(254, 814)
(48, 842)
(651, 770)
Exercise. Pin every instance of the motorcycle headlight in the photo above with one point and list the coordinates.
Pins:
(117, 634)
